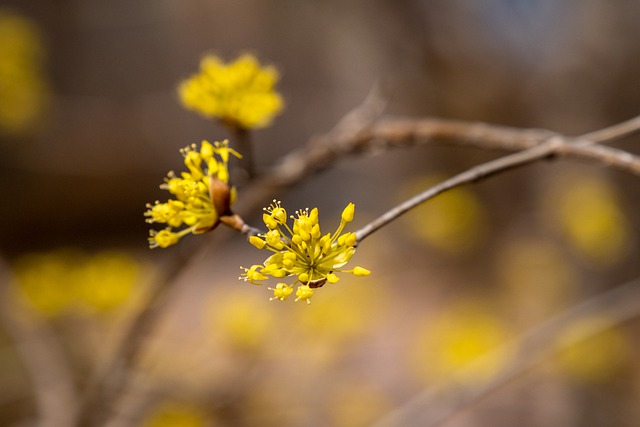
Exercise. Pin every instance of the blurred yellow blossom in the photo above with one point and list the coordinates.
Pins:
(345, 318)
(587, 211)
(107, 280)
(23, 87)
(452, 222)
(61, 281)
(536, 277)
(176, 414)
(346, 313)
(240, 93)
(461, 340)
(593, 357)
(243, 321)
(203, 197)
(302, 251)
(48, 281)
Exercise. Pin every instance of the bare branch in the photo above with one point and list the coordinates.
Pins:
(42, 356)
(404, 131)
(317, 155)
(553, 146)
(606, 156)
(615, 132)
(473, 174)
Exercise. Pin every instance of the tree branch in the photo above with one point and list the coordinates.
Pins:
(615, 132)
(555, 145)
(473, 174)
(391, 132)
(42, 357)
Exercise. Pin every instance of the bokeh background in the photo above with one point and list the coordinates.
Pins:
(90, 123)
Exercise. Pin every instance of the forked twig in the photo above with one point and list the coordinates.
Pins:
(555, 145)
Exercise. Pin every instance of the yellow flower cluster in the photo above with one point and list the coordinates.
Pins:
(302, 251)
(241, 93)
(202, 196)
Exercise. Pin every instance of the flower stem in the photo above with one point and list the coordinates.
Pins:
(242, 140)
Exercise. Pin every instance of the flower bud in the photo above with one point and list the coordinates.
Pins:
(348, 212)
(257, 242)
(361, 272)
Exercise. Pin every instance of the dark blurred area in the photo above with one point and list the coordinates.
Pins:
(112, 124)
(101, 126)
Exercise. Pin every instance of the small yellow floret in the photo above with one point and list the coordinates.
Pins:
(163, 238)
(252, 274)
(257, 242)
(304, 293)
(281, 291)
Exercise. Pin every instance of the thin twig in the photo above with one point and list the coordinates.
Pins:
(242, 142)
(615, 132)
(402, 132)
(41, 355)
(318, 154)
(553, 146)
(473, 174)
(606, 156)
(435, 405)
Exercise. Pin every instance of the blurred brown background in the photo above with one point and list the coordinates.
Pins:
(503, 255)
(113, 123)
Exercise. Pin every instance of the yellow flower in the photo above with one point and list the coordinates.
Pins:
(23, 84)
(176, 414)
(203, 197)
(588, 212)
(452, 223)
(281, 291)
(304, 293)
(462, 341)
(107, 280)
(240, 93)
(63, 281)
(47, 282)
(242, 322)
(302, 251)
